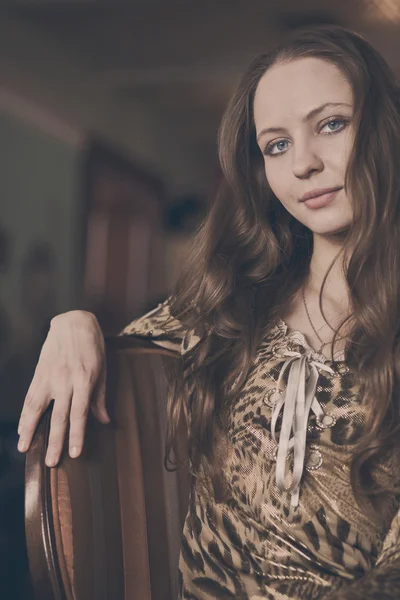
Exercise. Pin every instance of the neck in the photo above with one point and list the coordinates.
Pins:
(335, 293)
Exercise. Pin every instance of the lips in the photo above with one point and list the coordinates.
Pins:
(319, 192)
(321, 201)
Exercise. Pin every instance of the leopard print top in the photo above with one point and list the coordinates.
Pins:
(272, 539)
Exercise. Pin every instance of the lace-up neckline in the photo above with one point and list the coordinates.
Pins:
(300, 338)
(295, 403)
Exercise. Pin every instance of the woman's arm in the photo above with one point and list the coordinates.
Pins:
(72, 371)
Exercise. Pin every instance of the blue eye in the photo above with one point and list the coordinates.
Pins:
(281, 142)
(332, 121)
(269, 149)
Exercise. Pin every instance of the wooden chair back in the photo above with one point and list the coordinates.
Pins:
(107, 525)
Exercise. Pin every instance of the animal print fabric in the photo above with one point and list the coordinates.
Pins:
(247, 548)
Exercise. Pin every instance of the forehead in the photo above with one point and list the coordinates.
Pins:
(292, 89)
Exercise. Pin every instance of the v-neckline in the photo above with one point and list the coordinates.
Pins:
(302, 339)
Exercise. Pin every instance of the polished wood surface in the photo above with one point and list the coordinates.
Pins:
(106, 526)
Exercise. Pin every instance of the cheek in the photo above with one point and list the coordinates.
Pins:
(346, 153)
(278, 181)
(341, 151)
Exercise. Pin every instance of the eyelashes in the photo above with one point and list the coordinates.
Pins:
(272, 145)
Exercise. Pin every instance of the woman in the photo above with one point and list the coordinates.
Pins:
(293, 437)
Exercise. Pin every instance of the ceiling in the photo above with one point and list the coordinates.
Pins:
(180, 60)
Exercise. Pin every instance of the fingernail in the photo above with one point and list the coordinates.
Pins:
(50, 461)
(73, 452)
(22, 446)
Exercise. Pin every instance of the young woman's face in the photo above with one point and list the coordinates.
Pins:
(306, 154)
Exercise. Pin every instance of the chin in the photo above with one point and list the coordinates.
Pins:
(331, 223)
(330, 231)
(327, 224)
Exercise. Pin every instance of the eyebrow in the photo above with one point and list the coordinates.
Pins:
(313, 113)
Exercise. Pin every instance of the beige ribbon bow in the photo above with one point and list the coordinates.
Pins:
(296, 400)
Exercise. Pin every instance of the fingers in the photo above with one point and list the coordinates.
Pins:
(78, 419)
(58, 426)
(70, 405)
(98, 405)
(35, 404)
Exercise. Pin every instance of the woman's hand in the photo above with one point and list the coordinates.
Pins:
(72, 371)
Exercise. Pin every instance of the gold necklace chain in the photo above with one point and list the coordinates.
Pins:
(312, 325)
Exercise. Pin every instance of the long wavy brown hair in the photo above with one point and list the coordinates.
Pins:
(250, 256)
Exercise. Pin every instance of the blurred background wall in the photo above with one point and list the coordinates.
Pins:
(108, 121)
(39, 187)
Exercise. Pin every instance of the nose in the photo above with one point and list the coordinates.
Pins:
(306, 161)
